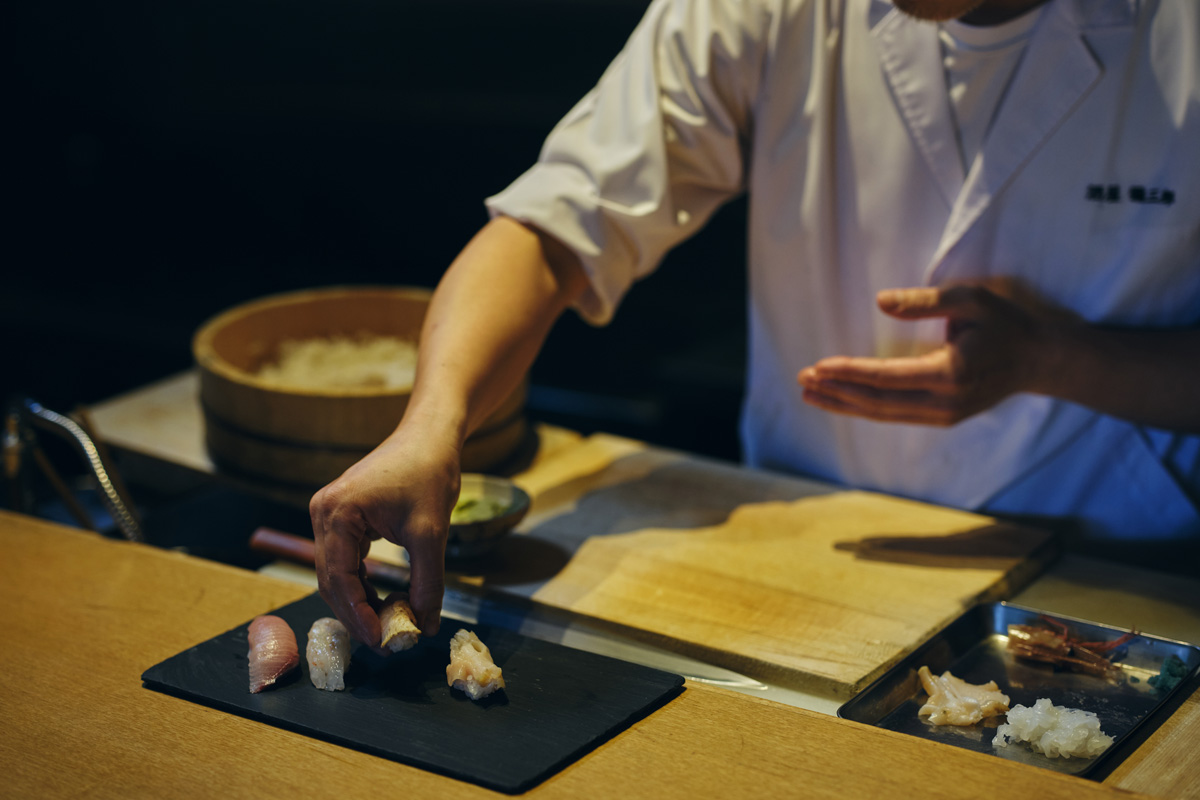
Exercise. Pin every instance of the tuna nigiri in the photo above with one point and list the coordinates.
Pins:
(471, 668)
(328, 653)
(273, 651)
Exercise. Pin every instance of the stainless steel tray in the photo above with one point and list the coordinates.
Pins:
(973, 647)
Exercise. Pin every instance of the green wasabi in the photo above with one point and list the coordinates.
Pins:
(1172, 674)
(476, 509)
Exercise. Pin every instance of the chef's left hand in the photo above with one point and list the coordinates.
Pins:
(995, 347)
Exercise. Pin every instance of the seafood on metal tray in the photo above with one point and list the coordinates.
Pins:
(953, 701)
(1058, 646)
(1054, 731)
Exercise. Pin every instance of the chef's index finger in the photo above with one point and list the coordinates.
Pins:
(338, 562)
(956, 302)
(427, 585)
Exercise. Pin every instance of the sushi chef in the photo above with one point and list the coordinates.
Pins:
(974, 260)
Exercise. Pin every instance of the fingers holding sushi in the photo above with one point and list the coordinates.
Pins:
(343, 582)
(402, 491)
(273, 651)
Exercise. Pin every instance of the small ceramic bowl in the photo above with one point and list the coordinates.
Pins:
(488, 508)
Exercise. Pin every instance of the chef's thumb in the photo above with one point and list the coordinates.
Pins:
(915, 303)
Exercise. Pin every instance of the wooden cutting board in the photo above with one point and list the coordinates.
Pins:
(778, 578)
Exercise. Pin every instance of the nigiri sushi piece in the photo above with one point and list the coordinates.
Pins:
(953, 701)
(471, 668)
(399, 624)
(273, 651)
(328, 654)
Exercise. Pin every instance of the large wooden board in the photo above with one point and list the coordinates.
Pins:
(611, 514)
(778, 578)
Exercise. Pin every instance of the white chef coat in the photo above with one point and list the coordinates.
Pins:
(834, 116)
(979, 62)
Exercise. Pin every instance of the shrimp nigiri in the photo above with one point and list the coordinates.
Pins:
(273, 651)
(328, 654)
(471, 668)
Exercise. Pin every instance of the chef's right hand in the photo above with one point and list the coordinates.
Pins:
(403, 491)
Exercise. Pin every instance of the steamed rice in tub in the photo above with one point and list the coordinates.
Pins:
(343, 362)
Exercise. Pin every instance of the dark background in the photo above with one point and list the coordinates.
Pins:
(165, 161)
(169, 160)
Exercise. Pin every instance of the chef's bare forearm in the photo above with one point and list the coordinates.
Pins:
(487, 321)
(1147, 377)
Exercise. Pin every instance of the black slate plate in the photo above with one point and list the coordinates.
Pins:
(559, 703)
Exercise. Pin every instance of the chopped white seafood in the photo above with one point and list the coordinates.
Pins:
(1054, 730)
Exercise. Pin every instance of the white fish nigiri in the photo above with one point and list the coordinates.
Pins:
(273, 651)
(328, 654)
(471, 668)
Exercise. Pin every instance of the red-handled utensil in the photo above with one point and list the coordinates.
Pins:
(304, 551)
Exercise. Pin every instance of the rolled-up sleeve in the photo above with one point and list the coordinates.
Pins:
(646, 157)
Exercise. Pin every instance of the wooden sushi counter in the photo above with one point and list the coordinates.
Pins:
(85, 616)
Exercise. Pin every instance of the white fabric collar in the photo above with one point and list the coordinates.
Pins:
(992, 37)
